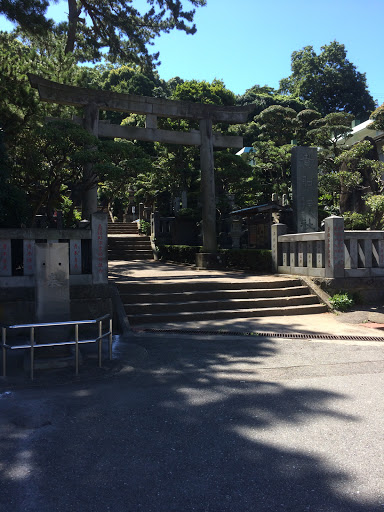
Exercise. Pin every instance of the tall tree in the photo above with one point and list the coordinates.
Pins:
(329, 81)
(97, 24)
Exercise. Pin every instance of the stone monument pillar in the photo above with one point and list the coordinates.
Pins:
(304, 189)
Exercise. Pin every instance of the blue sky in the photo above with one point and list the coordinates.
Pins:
(248, 42)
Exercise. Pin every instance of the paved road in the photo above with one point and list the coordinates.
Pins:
(206, 424)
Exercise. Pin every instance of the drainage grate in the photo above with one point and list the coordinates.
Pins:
(263, 334)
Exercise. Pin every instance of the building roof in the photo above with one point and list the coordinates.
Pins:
(252, 210)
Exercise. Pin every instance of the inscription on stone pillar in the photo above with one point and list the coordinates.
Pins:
(75, 256)
(304, 189)
(29, 257)
(5, 258)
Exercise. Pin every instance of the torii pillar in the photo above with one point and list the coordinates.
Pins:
(93, 100)
(89, 196)
(208, 187)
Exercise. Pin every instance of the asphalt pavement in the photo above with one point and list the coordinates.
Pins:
(208, 423)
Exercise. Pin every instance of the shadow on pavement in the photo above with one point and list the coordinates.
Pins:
(185, 433)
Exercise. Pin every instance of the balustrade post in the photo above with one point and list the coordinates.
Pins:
(155, 225)
(276, 231)
(334, 246)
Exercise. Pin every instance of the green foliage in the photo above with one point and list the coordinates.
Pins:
(264, 97)
(378, 118)
(329, 81)
(256, 260)
(214, 93)
(272, 168)
(179, 253)
(341, 301)
(13, 202)
(118, 26)
(145, 227)
(373, 218)
(327, 131)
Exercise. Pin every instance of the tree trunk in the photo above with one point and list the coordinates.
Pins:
(73, 18)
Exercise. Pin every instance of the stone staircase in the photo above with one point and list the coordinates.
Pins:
(125, 242)
(210, 299)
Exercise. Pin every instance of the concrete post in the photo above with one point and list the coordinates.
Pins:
(91, 124)
(208, 186)
(141, 211)
(52, 283)
(334, 246)
(184, 199)
(155, 225)
(276, 231)
(235, 232)
(99, 226)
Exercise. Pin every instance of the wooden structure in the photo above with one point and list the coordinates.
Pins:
(92, 101)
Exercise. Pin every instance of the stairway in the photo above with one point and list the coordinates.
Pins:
(189, 299)
(125, 242)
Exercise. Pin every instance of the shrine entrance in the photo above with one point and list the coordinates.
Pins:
(92, 101)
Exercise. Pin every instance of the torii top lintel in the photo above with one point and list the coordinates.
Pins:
(54, 92)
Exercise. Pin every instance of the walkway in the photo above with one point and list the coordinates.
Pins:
(342, 324)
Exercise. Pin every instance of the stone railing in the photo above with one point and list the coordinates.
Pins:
(161, 227)
(88, 253)
(332, 253)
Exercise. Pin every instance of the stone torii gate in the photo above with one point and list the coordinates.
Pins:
(92, 101)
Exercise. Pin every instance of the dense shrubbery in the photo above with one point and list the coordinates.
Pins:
(178, 253)
(259, 260)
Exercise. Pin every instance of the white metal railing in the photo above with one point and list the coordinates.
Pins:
(331, 253)
(32, 344)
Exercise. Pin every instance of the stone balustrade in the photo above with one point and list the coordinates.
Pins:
(332, 253)
(161, 227)
(88, 253)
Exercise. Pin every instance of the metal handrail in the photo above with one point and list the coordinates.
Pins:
(33, 345)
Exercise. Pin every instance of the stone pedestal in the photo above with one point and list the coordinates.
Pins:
(208, 260)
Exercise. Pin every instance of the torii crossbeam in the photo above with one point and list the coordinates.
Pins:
(95, 100)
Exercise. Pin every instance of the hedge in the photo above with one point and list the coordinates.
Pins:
(259, 260)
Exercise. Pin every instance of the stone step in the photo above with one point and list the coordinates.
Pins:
(227, 314)
(128, 239)
(127, 247)
(202, 307)
(122, 232)
(201, 295)
(130, 255)
(209, 284)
